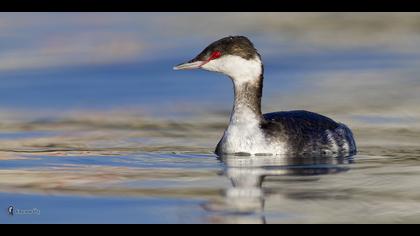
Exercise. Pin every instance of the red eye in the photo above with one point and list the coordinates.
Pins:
(215, 55)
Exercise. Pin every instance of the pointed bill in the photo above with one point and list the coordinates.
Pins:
(189, 65)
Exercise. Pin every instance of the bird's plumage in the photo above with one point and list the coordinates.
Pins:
(292, 132)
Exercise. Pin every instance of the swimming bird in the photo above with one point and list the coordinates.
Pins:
(278, 133)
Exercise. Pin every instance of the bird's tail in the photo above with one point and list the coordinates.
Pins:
(349, 138)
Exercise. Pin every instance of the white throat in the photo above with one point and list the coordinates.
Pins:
(244, 134)
(239, 69)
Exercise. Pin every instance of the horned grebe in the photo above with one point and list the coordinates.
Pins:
(252, 133)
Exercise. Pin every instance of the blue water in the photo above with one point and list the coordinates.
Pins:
(154, 82)
(128, 140)
(85, 210)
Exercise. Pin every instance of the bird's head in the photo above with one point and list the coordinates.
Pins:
(234, 56)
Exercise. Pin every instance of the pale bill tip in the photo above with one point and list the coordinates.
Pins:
(189, 65)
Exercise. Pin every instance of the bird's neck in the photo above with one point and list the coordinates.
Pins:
(247, 103)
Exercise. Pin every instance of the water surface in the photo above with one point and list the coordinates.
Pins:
(96, 127)
(136, 172)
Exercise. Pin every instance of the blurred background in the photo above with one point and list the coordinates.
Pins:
(349, 63)
(362, 68)
(90, 106)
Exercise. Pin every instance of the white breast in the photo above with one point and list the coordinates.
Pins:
(246, 136)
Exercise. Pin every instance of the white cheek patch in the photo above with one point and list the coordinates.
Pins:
(236, 67)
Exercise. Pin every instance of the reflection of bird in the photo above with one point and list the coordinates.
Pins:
(10, 210)
(245, 200)
(251, 132)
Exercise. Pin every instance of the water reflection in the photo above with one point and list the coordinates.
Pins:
(244, 201)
